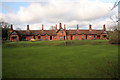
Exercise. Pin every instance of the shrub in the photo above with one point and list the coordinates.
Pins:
(83, 39)
(114, 38)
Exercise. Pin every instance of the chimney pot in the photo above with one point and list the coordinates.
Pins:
(11, 28)
(104, 27)
(77, 27)
(42, 27)
(27, 27)
(60, 26)
(90, 27)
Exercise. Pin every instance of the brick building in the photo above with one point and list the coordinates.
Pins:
(58, 34)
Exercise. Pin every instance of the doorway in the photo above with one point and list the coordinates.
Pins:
(50, 37)
(64, 37)
(86, 37)
(71, 37)
(34, 37)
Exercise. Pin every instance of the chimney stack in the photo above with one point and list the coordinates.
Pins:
(77, 27)
(60, 26)
(56, 27)
(11, 28)
(104, 27)
(64, 27)
(90, 27)
(42, 27)
(27, 27)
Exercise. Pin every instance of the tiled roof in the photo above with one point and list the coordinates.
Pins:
(54, 32)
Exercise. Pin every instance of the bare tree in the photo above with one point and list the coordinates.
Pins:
(52, 28)
(18, 28)
(116, 18)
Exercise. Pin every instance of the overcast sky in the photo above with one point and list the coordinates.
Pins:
(52, 12)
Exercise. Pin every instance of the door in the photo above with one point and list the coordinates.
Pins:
(71, 37)
(86, 37)
(64, 37)
(50, 37)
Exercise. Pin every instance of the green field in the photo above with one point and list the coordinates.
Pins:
(60, 59)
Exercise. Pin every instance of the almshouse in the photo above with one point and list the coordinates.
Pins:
(58, 34)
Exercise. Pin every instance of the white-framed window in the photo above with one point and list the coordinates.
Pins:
(75, 37)
(60, 37)
(89, 36)
(61, 32)
(67, 36)
(54, 37)
(104, 35)
(46, 37)
(29, 37)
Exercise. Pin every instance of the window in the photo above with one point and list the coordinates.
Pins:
(14, 37)
(45, 37)
(61, 32)
(60, 37)
(98, 36)
(67, 36)
(104, 35)
(38, 37)
(75, 37)
(24, 37)
(94, 36)
(29, 37)
(89, 36)
(55, 37)
(82, 36)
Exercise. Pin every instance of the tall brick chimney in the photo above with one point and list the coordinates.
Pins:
(42, 27)
(104, 27)
(60, 26)
(27, 27)
(64, 27)
(11, 30)
(56, 27)
(90, 27)
(77, 27)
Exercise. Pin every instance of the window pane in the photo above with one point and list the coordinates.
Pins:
(61, 32)
(60, 37)
(14, 37)
(29, 37)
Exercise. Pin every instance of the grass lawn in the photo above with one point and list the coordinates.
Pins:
(60, 59)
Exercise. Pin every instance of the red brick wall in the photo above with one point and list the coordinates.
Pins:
(90, 38)
(59, 34)
(54, 38)
(14, 39)
(43, 37)
(101, 36)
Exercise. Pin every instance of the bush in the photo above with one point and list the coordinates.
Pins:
(114, 38)
(83, 39)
